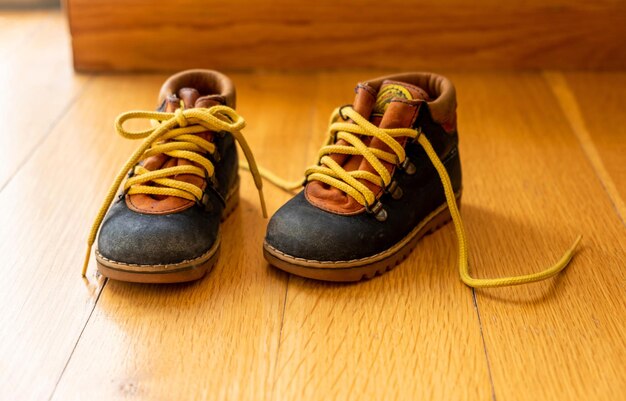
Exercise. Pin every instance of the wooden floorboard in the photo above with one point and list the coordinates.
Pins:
(330, 341)
(412, 334)
(543, 161)
(37, 83)
(42, 311)
(47, 207)
(529, 190)
(593, 104)
(221, 333)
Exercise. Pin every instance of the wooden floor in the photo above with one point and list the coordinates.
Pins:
(544, 158)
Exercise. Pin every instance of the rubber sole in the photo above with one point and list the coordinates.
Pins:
(360, 269)
(188, 270)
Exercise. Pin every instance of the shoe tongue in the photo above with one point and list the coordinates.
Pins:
(190, 98)
(395, 105)
(393, 90)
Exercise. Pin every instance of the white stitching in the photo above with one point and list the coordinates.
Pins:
(389, 251)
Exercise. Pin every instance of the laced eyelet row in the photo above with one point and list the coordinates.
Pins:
(393, 189)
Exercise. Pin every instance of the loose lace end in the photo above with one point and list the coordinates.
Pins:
(263, 207)
(526, 279)
(86, 263)
(462, 241)
(571, 251)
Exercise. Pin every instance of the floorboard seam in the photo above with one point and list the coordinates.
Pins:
(55, 122)
(482, 336)
(280, 334)
(569, 106)
(69, 358)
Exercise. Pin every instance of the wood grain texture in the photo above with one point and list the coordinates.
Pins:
(45, 304)
(220, 338)
(37, 83)
(249, 332)
(233, 318)
(147, 35)
(597, 116)
(42, 311)
(412, 334)
(529, 190)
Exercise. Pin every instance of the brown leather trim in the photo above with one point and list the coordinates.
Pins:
(439, 88)
(363, 104)
(320, 204)
(206, 82)
(390, 167)
(143, 200)
(362, 85)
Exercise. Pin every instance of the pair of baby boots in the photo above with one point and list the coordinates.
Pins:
(388, 174)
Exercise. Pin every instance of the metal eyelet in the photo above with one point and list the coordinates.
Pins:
(394, 190)
(408, 167)
(378, 211)
(206, 199)
(122, 194)
(205, 202)
(416, 139)
(214, 182)
(341, 111)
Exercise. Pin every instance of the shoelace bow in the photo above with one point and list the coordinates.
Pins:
(331, 173)
(173, 134)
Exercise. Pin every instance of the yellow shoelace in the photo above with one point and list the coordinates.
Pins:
(331, 173)
(173, 134)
